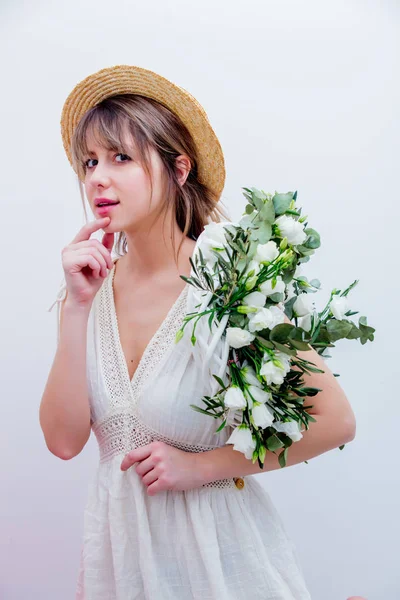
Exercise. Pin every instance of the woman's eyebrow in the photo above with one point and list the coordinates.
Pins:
(92, 152)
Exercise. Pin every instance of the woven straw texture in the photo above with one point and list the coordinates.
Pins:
(123, 79)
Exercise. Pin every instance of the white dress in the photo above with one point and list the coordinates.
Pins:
(223, 541)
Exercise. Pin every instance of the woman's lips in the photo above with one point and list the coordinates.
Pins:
(104, 210)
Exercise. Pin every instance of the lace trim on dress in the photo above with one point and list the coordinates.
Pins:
(114, 372)
(122, 431)
(123, 391)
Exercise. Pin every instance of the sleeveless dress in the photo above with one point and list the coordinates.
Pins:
(223, 541)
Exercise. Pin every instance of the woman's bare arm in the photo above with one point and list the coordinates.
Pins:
(64, 410)
(335, 425)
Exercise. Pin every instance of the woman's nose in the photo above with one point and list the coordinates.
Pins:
(100, 176)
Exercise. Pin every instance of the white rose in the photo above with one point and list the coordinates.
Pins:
(255, 299)
(305, 322)
(291, 229)
(290, 292)
(291, 428)
(250, 376)
(278, 314)
(213, 237)
(267, 289)
(274, 373)
(253, 266)
(303, 305)
(265, 318)
(262, 319)
(262, 415)
(298, 271)
(243, 440)
(234, 398)
(266, 252)
(339, 305)
(237, 337)
(259, 394)
(284, 360)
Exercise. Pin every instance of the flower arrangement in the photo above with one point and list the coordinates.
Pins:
(252, 271)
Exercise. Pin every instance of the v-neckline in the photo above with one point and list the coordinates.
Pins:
(132, 380)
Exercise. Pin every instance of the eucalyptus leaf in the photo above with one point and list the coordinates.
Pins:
(282, 458)
(265, 342)
(367, 333)
(246, 222)
(303, 346)
(281, 332)
(304, 250)
(315, 283)
(278, 297)
(273, 443)
(285, 349)
(313, 241)
(354, 333)
(282, 202)
(289, 307)
(267, 213)
(338, 330)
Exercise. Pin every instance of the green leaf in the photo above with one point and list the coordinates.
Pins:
(221, 426)
(221, 383)
(285, 349)
(283, 457)
(315, 283)
(257, 198)
(265, 342)
(367, 333)
(310, 391)
(287, 274)
(304, 250)
(289, 307)
(338, 330)
(210, 320)
(282, 202)
(267, 213)
(276, 297)
(354, 333)
(303, 346)
(273, 443)
(313, 241)
(249, 209)
(281, 332)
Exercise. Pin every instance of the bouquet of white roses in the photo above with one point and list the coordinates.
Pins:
(251, 271)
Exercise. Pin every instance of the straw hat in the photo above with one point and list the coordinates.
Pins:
(124, 79)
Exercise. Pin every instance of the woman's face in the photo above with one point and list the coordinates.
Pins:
(120, 177)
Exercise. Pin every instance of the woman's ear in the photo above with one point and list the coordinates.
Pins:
(182, 167)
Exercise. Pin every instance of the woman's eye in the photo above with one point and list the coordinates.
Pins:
(123, 155)
(86, 163)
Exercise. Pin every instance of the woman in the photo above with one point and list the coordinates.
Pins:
(173, 512)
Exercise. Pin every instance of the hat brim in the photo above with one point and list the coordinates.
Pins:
(129, 79)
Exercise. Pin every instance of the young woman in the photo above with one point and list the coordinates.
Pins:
(173, 512)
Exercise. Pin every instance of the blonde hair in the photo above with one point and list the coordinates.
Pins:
(151, 125)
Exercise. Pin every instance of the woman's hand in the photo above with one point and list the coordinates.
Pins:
(85, 262)
(164, 467)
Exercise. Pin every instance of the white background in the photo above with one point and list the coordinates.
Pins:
(303, 96)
